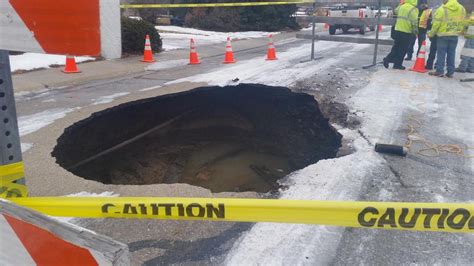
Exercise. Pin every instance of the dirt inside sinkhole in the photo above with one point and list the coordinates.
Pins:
(234, 138)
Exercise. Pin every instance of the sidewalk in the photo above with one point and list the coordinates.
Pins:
(109, 69)
(53, 77)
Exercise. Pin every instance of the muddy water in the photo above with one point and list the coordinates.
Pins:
(235, 138)
(227, 166)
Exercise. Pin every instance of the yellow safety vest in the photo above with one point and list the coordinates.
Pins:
(447, 22)
(425, 16)
(407, 18)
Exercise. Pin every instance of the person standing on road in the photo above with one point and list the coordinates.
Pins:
(406, 27)
(425, 13)
(448, 24)
(433, 45)
(467, 54)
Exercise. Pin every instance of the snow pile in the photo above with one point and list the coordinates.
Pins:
(283, 72)
(175, 37)
(30, 61)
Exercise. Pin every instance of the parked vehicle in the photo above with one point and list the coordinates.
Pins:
(353, 11)
(163, 20)
(387, 12)
(135, 18)
(177, 21)
(303, 11)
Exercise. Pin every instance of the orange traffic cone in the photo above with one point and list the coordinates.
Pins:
(380, 28)
(71, 66)
(420, 60)
(271, 53)
(326, 26)
(193, 55)
(148, 53)
(229, 55)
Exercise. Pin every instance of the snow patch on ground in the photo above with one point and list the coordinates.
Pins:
(52, 100)
(31, 95)
(283, 72)
(383, 103)
(72, 220)
(392, 97)
(30, 61)
(26, 146)
(334, 179)
(32, 123)
(92, 194)
(175, 37)
(108, 98)
(167, 64)
(458, 125)
(151, 88)
(383, 106)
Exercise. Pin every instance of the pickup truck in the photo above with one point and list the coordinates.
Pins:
(355, 11)
(386, 12)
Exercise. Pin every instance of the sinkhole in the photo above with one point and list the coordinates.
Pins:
(234, 138)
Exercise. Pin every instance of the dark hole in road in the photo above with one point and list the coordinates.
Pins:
(235, 138)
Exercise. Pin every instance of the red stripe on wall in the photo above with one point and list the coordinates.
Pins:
(63, 26)
(47, 249)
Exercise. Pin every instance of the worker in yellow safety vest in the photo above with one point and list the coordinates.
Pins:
(406, 27)
(433, 40)
(424, 16)
(467, 54)
(448, 24)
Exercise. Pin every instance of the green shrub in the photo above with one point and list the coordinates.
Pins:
(133, 36)
(259, 18)
(268, 18)
(216, 19)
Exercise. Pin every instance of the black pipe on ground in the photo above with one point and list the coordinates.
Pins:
(391, 149)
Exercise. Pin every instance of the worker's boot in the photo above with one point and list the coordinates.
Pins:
(436, 74)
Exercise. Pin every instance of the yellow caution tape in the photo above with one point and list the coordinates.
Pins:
(210, 4)
(8, 174)
(445, 217)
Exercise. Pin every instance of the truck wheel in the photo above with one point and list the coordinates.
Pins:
(332, 30)
(362, 30)
(345, 29)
